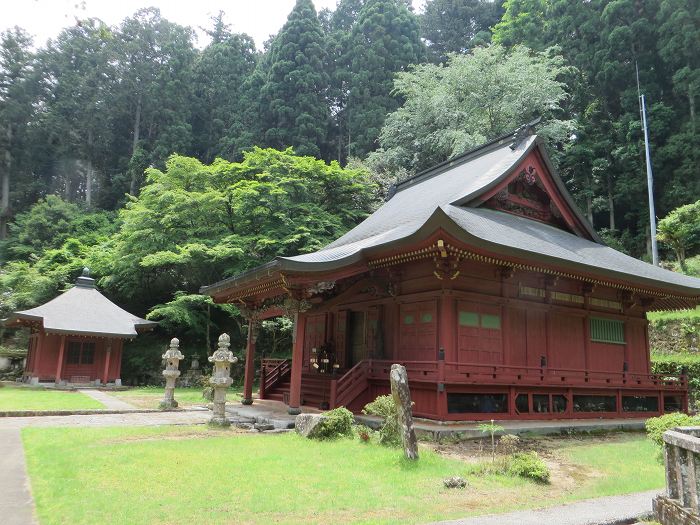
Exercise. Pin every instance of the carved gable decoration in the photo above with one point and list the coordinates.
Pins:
(527, 194)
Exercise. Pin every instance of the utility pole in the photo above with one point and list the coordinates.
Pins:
(650, 177)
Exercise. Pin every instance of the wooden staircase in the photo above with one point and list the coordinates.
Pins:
(315, 390)
(321, 391)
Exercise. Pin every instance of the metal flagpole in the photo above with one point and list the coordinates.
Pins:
(650, 177)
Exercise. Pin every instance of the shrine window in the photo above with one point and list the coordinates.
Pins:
(586, 403)
(640, 403)
(607, 330)
(80, 353)
(476, 320)
(477, 403)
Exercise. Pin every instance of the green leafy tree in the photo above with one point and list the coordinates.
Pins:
(385, 40)
(680, 230)
(475, 97)
(154, 59)
(294, 91)
(457, 26)
(194, 224)
(50, 223)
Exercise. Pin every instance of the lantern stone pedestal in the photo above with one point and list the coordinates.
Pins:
(172, 356)
(221, 379)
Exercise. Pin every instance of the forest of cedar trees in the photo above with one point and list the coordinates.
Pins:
(163, 165)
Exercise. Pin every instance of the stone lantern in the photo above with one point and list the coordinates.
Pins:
(172, 357)
(221, 379)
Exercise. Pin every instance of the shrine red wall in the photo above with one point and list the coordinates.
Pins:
(43, 359)
(536, 318)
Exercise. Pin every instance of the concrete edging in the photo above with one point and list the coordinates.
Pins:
(40, 413)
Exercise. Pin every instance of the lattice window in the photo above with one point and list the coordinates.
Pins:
(607, 330)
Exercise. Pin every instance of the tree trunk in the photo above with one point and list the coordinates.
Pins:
(589, 200)
(89, 172)
(691, 104)
(5, 199)
(135, 144)
(611, 204)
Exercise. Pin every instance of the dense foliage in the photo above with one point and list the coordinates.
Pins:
(128, 149)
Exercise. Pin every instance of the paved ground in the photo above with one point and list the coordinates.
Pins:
(264, 411)
(110, 402)
(598, 511)
(185, 417)
(16, 503)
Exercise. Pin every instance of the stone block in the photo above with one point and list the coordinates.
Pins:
(262, 427)
(307, 424)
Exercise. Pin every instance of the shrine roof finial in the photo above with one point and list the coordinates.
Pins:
(523, 132)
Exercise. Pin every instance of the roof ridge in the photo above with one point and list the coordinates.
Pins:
(515, 137)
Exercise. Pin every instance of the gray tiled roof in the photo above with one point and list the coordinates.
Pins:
(83, 310)
(446, 197)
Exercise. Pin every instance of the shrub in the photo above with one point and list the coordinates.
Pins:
(656, 426)
(678, 363)
(528, 465)
(364, 433)
(385, 407)
(509, 443)
(337, 423)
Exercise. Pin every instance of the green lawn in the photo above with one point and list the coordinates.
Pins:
(674, 315)
(197, 475)
(150, 396)
(626, 465)
(23, 398)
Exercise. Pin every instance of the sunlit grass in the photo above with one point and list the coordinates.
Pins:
(197, 475)
(23, 398)
(623, 466)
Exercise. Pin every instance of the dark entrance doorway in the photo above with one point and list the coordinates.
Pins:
(358, 348)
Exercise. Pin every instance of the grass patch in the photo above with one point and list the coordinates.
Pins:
(623, 465)
(24, 398)
(129, 476)
(150, 396)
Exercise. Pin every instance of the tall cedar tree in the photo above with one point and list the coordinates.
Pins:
(221, 95)
(296, 84)
(385, 40)
(16, 108)
(77, 65)
(456, 26)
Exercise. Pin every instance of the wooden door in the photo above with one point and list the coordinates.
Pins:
(357, 338)
(418, 331)
(479, 334)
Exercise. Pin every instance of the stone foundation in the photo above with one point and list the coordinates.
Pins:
(669, 512)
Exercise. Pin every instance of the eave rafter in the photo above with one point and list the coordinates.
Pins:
(662, 299)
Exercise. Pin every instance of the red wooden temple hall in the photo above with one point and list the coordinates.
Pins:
(482, 277)
(77, 337)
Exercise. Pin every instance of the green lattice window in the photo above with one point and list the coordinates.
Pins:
(492, 322)
(468, 318)
(607, 330)
(474, 319)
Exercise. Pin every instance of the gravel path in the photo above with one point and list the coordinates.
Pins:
(599, 511)
(185, 417)
(16, 502)
(110, 402)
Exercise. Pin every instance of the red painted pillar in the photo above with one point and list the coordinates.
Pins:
(250, 363)
(59, 366)
(297, 365)
(108, 356)
(447, 350)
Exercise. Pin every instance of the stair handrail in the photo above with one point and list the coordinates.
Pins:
(341, 386)
(273, 376)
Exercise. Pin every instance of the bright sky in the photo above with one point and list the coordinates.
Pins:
(44, 19)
